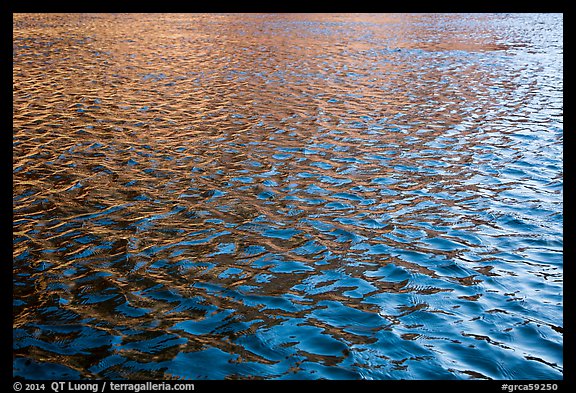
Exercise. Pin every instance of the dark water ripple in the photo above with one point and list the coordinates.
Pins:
(288, 196)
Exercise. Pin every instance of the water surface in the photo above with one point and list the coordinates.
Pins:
(288, 196)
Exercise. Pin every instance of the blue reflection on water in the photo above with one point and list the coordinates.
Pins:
(327, 196)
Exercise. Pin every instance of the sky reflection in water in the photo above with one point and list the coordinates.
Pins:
(288, 196)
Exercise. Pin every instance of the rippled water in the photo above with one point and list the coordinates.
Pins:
(288, 196)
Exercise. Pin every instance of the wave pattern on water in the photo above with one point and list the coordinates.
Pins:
(288, 196)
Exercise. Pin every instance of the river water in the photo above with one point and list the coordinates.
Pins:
(289, 196)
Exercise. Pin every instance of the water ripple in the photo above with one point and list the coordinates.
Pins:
(288, 196)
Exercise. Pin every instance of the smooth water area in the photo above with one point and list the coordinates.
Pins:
(289, 196)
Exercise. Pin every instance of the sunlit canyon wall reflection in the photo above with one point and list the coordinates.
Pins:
(288, 196)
